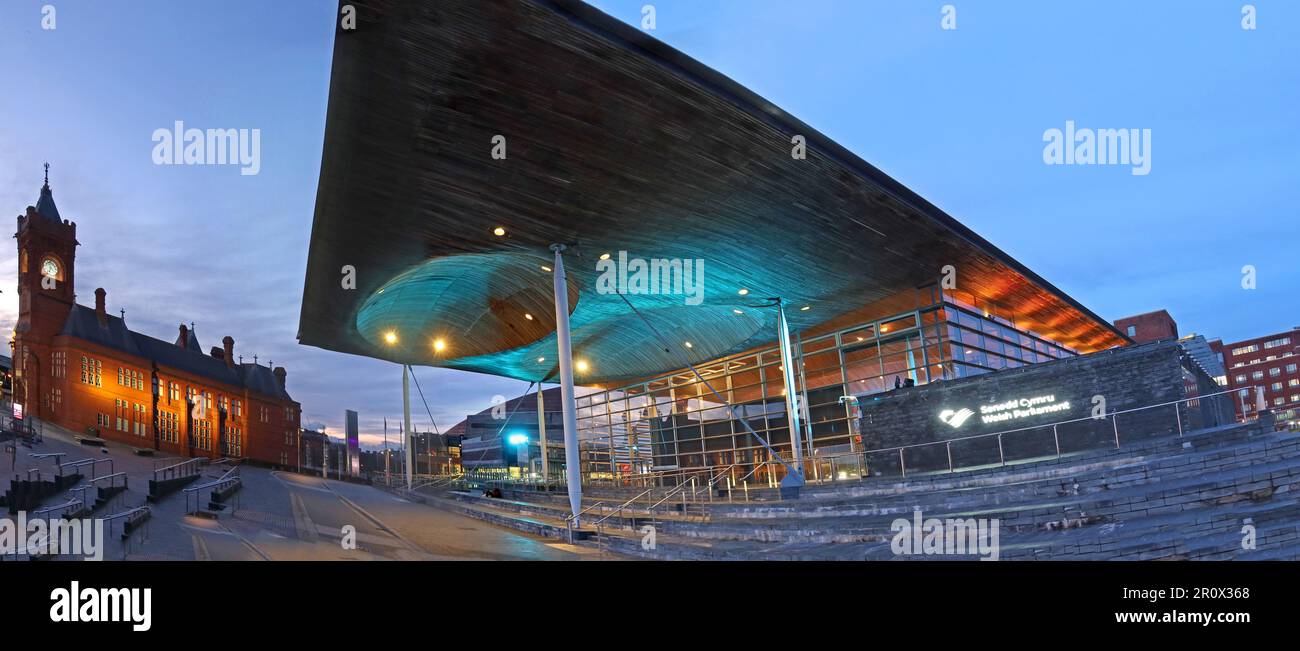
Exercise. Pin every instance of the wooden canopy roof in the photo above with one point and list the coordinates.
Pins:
(613, 142)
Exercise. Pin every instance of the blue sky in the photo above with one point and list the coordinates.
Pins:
(956, 115)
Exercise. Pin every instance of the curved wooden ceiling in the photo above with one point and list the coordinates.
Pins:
(614, 142)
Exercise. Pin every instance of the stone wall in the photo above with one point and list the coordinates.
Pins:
(1022, 404)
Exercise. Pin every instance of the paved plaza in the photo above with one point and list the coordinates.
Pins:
(279, 516)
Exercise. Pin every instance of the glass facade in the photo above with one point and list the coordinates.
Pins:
(676, 421)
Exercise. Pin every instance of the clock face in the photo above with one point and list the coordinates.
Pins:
(50, 268)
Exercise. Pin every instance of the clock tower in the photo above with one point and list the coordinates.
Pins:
(47, 247)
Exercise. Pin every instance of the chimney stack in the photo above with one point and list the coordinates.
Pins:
(279, 375)
(185, 336)
(228, 343)
(100, 312)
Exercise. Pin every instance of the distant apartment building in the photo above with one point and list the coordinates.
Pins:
(1271, 362)
(1152, 326)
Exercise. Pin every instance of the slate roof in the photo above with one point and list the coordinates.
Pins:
(83, 324)
(45, 205)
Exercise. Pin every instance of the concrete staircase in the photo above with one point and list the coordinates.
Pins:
(1189, 497)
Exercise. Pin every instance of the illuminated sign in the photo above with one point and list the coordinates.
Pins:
(18, 411)
(1006, 410)
(955, 418)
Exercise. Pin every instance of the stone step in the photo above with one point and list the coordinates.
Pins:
(1095, 481)
(871, 521)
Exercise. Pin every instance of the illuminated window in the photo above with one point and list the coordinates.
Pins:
(168, 427)
(122, 421)
(59, 363)
(140, 419)
(204, 435)
(130, 378)
(91, 371)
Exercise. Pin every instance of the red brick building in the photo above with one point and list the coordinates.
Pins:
(85, 370)
(1271, 362)
(1152, 326)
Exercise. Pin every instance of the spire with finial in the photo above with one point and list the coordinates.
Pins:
(45, 205)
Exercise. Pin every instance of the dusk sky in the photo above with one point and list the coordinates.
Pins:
(957, 115)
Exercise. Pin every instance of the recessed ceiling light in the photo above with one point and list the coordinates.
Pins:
(604, 256)
(805, 308)
(546, 268)
(390, 337)
(541, 359)
(738, 311)
(528, 316)
(688, 345)
(498, 231)
(439, 345)
(582, 365)
(743, 291)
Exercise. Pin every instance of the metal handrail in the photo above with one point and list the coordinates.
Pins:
(229, 478)
(620, 507)
(57, 507)
(174, 468)
(224, 478)
(90, 483)
(92, 462)
(126, 543)
(1111, 415)
(573, 516)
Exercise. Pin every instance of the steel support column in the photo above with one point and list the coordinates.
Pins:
(573, 469)
(541, 433)
(791, 397)
(407, 443)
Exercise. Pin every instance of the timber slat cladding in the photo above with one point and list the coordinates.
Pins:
(614, 142)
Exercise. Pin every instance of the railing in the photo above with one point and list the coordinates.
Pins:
(126, 539)
(572, 518)
(87, 462)
(62, 509)
(230, 478)
(182, 469)
(989, 450)
(92, 484)
(57, 456)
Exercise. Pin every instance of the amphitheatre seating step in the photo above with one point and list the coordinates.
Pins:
(869, 521)
(1171, 446)
(1089, 479)
(1173, 498)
